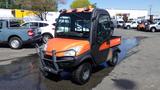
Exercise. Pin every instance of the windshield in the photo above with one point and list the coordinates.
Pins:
(74, 25)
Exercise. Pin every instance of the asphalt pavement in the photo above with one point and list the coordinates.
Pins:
(138, 68)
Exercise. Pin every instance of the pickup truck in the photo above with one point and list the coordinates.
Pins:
(83, 40)
(129, 25)
(15, 36)
(153, 27)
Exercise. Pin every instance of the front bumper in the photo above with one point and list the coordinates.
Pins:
(55, 64)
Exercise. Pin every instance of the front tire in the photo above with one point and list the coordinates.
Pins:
(114, 59)
(153, 29)
(82, 74)
(15, 43)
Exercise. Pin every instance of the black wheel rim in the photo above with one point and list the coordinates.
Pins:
(114, 61)
(86, 74)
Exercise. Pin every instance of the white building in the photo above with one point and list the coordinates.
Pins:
(52, 16)
(131, 14)
(6, 13)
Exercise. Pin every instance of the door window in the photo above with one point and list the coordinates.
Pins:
(82, 25)
(133, 22)
(34, 24)
(26, 25)
(1, 25)
(40, 24)
(14, 24)
(103, 31)
(43, 24)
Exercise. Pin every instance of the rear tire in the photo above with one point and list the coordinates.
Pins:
(82, 74)
(114, 60)
(128, 27)
(15, 43)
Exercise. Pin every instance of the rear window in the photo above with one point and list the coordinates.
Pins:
(43, 24)
(121, 22)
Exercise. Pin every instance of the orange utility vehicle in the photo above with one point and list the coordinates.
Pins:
(83, 40)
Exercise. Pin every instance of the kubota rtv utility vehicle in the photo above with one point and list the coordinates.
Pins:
(83, 40)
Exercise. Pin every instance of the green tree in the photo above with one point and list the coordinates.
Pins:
(80, 4)
(8, 4)
(39, 7)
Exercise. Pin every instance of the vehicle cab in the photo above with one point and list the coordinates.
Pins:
(83, 39)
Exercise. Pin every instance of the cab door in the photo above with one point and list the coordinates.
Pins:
(158, 26)
(101, 30)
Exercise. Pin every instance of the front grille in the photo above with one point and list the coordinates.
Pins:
(48, 57)
(49, 64)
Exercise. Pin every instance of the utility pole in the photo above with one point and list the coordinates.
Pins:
(151, 16)
(57, 5)
(150, 9)
(6, 3)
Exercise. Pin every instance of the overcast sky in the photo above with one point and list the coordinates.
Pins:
(123, 4)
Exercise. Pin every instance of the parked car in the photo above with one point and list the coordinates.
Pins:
(132, 24)
(16, 36)
(47, 29)
(114, 23)
(82, 41)
(153, 27)
(120, 24)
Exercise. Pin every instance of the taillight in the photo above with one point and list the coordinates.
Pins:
(30, 33)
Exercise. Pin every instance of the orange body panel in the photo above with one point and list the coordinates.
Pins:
(113, 42)
(61, 44)
(104, 46)
(78, 10)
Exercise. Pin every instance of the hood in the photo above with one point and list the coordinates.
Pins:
(62, 44)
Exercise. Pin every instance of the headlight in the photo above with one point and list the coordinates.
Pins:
(73, 51)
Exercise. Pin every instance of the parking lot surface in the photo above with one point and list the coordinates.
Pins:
(138, 68)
